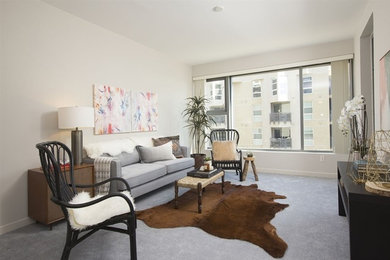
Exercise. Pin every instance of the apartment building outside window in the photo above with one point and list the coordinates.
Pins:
(257, 113)
(307, 85)
(274, 106)
(308, 136)
(256, 88)
(257, 136)
(274, 86)
(307, 110)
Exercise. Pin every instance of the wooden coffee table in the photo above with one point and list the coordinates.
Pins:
(198, 184)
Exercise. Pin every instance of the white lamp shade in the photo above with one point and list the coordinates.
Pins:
(72, 117)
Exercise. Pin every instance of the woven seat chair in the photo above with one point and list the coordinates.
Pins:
(223, 135)
(60, 179)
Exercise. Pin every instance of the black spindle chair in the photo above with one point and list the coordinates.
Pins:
(227, 135)
(61, 182)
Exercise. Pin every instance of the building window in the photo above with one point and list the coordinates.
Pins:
(256, 88)
(307, 84)
(257, 136)
(307, 110)
(274, 86)
(308, 136)
(257, 113)
(284, 112)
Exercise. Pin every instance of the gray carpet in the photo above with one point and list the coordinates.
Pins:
(310, 226)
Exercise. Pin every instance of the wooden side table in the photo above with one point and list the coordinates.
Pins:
(246, 165)
(40, 207)
(198, 184)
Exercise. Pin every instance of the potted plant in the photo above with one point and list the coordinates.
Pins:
(198, 122)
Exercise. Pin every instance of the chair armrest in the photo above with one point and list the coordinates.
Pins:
(86, 204)
(103, 182)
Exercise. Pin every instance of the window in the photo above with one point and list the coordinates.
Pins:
(307, 85)
(307, 110)
(308, 136)
(256, 88)
(257, 136)
(257, 113)
(276, 106)
(215, 93)
(274, 86)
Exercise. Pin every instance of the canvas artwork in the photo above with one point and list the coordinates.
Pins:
(384, 88)
(112, 110)
(144, 111)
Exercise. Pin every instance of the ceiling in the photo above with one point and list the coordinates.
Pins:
(191, 32)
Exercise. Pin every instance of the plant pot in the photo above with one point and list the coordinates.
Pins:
(199, 159)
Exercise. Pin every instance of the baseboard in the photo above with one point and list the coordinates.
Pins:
(15, 225)
(298, 173)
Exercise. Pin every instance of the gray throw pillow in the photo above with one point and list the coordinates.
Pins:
(128, 158)
(157, 153)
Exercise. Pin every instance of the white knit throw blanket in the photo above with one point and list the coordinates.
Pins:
(102, 166)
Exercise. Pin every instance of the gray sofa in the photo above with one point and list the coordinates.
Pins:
(145, 177)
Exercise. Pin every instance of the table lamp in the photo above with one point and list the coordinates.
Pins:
(75, 117)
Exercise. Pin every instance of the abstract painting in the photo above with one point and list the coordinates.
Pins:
(112, 110)
(144, 110)
(384, 88)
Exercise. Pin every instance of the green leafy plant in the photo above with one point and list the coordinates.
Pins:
(197, 120)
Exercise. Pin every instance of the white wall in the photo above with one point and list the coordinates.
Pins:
(296, 163)
(380, 10)
(276, 58)
(50, 59)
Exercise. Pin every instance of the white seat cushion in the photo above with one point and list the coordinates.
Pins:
(80, 218)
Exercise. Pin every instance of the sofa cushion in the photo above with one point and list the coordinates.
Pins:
(158, 153)
(140, 173)
(177, 165)
(176, 149)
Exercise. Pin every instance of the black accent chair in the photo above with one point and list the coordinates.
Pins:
(227, 135)
(61, 182)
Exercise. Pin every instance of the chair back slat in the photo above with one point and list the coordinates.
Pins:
(224, 135)
(57, 165)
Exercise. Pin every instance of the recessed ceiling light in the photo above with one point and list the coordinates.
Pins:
(218, 9)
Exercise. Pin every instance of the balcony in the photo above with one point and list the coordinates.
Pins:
(279, 117)
(280, 142)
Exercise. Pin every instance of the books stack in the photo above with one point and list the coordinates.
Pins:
(203, 174)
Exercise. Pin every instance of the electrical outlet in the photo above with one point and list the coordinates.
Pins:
(322, 158)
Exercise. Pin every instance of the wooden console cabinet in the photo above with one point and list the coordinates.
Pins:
(40, 207)
(368, 216)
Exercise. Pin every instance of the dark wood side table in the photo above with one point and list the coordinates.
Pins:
(368, 216)
(40, 207)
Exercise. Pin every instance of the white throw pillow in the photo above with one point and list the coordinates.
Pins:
(113, 147)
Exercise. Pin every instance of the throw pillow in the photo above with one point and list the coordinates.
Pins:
(224, 151)
(113, 147)
(176, 149)
(157, 153)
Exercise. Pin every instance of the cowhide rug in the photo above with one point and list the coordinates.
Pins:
(242, 212)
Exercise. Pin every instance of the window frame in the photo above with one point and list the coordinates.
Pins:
(229, 96)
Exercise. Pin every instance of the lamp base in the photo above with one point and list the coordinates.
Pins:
(77, 146)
